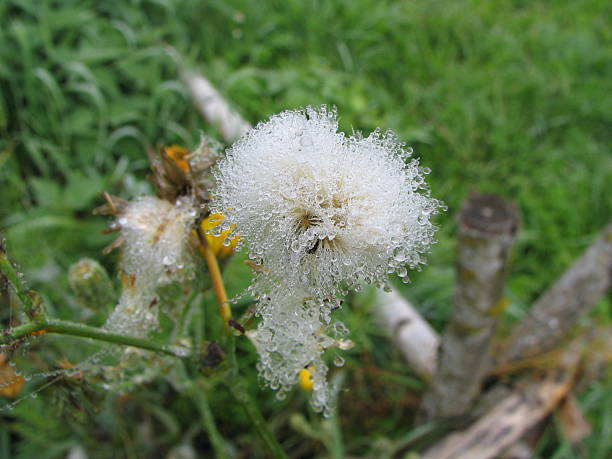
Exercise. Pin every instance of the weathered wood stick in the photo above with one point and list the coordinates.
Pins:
(214, 107)
(412, 334)
(576, 427)
(558, 309)
(487, 229)
(507, 422)
(519, 450)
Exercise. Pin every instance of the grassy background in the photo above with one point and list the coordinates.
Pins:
(511, 97)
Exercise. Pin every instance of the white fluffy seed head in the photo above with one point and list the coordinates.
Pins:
(155, 252)
(292, 335)
(325, 211)
(156, 235)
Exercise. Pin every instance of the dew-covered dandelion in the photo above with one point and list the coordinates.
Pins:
(292, 337)
(154, 235)
(159, 242)
(321, 213)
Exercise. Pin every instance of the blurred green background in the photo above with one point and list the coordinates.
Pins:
(510, 97)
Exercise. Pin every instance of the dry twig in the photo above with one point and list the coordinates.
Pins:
(509, 420)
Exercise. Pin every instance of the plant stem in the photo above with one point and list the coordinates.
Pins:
(259, 423)
(218, 443)
(216, 277)
(235, 385)
(40, 325)
(7, 268)
(241, 395)
(63, 327)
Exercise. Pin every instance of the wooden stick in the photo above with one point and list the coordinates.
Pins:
(558, 309)
(214, 107)
(487, 228)
(507, 422)
(413, 335)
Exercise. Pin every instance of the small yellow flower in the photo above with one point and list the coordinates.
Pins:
(307, 378)
(216, 242)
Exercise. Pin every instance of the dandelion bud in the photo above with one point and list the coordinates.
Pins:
(91, 285)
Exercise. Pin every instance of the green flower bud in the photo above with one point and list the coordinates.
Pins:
(91, 285)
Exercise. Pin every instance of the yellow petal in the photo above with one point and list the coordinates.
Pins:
(306, 378)
(216, 242)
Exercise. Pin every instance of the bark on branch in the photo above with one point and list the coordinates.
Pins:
(214, 107)
(487, 228)
(507, 422)
(559, 308)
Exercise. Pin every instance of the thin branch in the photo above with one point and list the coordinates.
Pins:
(214, 107)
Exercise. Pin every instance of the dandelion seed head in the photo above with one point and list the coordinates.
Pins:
(321, 213)
(156, 234)
(323, 210)
(155, 252)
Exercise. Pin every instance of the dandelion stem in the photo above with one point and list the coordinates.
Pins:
(237, 389)
(63, 327)
(216, 277)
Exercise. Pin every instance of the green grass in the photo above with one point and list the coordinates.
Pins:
(508, 97)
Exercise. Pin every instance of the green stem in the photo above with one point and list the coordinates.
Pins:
(199, 396)
(7, 268)
(63, 327)
(241, 395)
